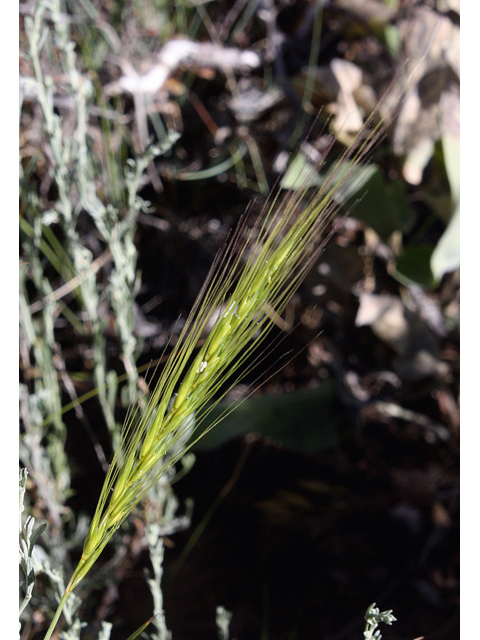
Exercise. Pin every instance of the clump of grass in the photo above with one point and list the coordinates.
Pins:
(249, 284)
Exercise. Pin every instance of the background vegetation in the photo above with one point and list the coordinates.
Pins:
(145, 131)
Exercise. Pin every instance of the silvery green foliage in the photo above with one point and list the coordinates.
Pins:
(161, 507)
(105, 631)
(156, 549)
(70, 170)
(74, 171)
(45, 459)
(373, 617)
(222, 619)
(28, 537)
(73, 632)
(21, 495)
(56, 578)
(34, 560)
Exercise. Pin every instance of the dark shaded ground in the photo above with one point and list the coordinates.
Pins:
(300, 541)
(297, 544)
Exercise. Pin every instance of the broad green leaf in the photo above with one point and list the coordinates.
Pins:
(36, 534)
(383, 205)
(304, 420)
(414, 265)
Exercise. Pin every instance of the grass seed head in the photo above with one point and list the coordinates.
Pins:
(250, 282)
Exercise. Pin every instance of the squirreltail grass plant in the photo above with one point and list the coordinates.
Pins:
(249, 284)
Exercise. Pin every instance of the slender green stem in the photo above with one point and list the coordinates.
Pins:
(56, 617)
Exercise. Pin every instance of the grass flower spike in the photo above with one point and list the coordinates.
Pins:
(250, 282)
